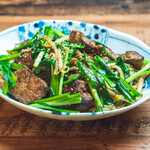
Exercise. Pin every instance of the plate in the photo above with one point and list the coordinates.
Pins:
(119, 42)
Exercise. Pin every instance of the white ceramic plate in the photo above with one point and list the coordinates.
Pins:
(119, 42)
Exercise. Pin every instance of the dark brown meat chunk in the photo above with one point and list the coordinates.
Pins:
(90, 45)
(111, 53)
(79, 86)
(130, 57)
(25, 59)
(133, 58)
(29, 87)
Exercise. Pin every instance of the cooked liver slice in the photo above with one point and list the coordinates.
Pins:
(29, 87)
(25, 59)
(90, 45)
(111, 53)
(130, 57)
(79, 86)
(133, 58)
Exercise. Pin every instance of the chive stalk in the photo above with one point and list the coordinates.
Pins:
(38, 59)
(71, 80)
(102, 73)
(9, 57)
(145, 70)
(45, 106)
(93, 84)
(19, 48)
(121, 87)
(62, 74)
(16, 66)
(58, 33)
(62, 96)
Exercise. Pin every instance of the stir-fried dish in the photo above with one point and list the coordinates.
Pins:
(71, 73)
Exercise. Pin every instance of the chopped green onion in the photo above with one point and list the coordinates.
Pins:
(71, 80)
(102, 73)
(62, 96)
(38, 59)
(145, 70)
(16, 66)
(121, 87)
(9, 77)
(98, 100)
(9, 57)
(45, 106)
(123, 66)
(27, 44)
(93, 84)
(59, 100)
(62, 74)
(5, 89)
(58, 33)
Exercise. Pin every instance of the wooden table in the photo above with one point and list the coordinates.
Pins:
(20, 130)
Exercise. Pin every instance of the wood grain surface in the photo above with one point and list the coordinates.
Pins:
(74, 7)
(20, 130)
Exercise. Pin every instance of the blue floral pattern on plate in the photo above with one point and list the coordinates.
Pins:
(96, 33)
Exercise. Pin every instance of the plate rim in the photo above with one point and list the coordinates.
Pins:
(8, 99)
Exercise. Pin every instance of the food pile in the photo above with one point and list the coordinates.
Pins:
(71, 73)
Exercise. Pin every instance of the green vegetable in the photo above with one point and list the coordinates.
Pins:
(37, 46)
(93, 84)
(135, 92)
(103, 65)
(57, 97)
(62, 74)
(68, 64)
(9, 57)
(48, 31)
(104, 48)
(97, 74)
(97, 98)
(145, 62)
(9, 77)
(121, 87)
(103, 90)
(19, 48)
(38, 59)
(72, 45)
(123, 66)
(55, 84)
(145, 70)
(99, 77)
(59, 100)
(45, 106)
(102, 73)
(124, 91)
(58, 33)
(16, 66)
(6, 88)
(69, 101)
(50, 63)
(71, 80)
